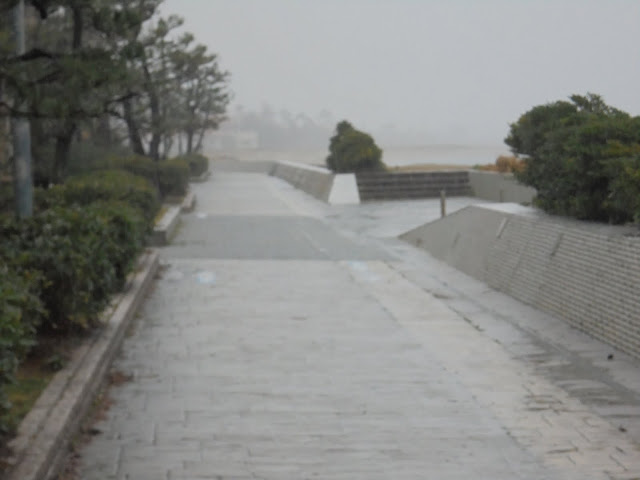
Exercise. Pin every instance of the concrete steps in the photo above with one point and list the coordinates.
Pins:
(402, 186)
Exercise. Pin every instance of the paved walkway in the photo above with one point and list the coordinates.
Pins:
(287, 339)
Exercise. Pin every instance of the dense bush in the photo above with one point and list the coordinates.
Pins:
(582, 157)
(59, 268)
(173, 177)
(20, 313)
(103, 185)
(198, 164)
(127, 231)
(70, 246)
(6, 197)
(351, 150)
(136, 164)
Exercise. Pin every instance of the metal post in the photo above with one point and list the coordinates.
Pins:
(443, 203)
(21, 131)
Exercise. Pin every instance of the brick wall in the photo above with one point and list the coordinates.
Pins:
(586, 274)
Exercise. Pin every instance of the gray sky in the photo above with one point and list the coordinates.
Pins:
(458, 70)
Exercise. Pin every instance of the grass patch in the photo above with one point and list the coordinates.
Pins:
(160, 214)
(32, 378)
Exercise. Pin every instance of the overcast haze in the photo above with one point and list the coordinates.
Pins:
(459, 71)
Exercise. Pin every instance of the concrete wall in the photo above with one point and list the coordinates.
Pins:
(315, 181)
(319, 182)
(586, 274)
(499, 187)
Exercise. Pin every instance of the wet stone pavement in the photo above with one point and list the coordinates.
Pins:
(287, 339)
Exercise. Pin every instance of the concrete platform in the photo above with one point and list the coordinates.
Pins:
(291, 339)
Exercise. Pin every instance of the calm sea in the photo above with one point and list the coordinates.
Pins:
(393, 156)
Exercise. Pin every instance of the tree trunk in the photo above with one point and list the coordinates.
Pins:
(61, 156)
(102, 132)
(156, 120)
(198, 147)
(135, 140)
(77, 27)
(70, 125)
(190, 135)
(167, 145)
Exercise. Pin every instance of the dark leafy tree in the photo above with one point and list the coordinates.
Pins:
(581, 156)
(351, 150)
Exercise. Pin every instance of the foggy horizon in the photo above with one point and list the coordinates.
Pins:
(420, 72)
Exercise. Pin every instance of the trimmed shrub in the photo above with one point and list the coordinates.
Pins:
(198, 164)
(136, 164)
(20, 312)
(173, 177)
(351, 150)
(72, 248)
(103, 186)
(127, 231)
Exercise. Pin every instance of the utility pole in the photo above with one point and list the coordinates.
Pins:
(21, 132)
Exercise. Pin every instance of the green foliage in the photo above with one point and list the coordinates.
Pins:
(173, 177)
(68, 245)
(127, 231)
(581, 157)
(137, 164)
(82, 253)
(198, 164)
(351, 150)
(104, 185)
(20, 312)
(624, 197)
(6, 197)
(87, 156)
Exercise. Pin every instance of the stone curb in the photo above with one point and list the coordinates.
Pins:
(202, 178)
(166, 228)
(41, 445)
(188, 203)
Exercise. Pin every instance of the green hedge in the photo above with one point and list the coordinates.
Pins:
(127, 232)
(136, 164)
(83, 255)
(102, 186)
(70, 247)
(59, 268)
(20, 313)
(198, 164)
(173, 177)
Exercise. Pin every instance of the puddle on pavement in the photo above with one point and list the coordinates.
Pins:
(206, 278)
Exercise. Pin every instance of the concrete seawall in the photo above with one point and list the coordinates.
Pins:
(319, 182)
(586, 274)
